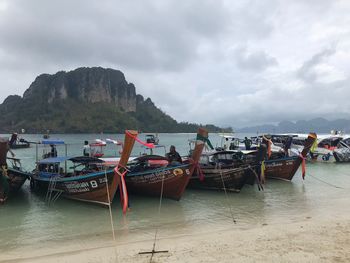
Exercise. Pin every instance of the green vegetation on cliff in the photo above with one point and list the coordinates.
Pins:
(86, 100)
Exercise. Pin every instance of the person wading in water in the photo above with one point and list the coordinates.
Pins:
(4, 179)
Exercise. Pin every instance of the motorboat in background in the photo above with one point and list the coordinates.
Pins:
(151, 138)
(18, 143)
(342, 153)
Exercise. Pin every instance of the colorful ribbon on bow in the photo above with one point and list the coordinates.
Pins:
(124, 199)
(314, 146)
(200, 172)
(262, 172)
(205, 140)
(197, 168)
(303, 165)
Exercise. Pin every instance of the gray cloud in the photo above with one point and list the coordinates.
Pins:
(225, 62)
(307, 70)
(256, 61)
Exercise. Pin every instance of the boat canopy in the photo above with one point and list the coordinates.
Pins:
(85, 159)
(155, 146)
(150, 157)
(54, 160)
(52, 141)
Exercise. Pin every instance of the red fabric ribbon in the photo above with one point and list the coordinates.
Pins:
(200, 172)
(269, 148)
(198, 168)
(124, 199)
(149, 145)
(303, 166)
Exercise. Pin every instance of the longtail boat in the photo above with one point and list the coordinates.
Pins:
(20, 145)
(154, 176)
(220, 170)
(88, 180)
(11, 177)
(16, 143)
(284, 168)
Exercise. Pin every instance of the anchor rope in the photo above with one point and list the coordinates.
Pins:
(227, 201)
(327, 183)
(111, 216)
(258, 181)
(159, 208)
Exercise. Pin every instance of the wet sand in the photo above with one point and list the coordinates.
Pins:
(311, 240)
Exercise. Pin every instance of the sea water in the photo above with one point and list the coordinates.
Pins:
(28, 223)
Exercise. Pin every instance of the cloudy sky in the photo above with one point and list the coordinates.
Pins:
(233, 63)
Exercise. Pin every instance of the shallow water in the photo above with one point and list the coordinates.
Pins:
(28, 223)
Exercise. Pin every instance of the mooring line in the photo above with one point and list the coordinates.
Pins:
(111, 217)
(329, 184)
(227, 201)
(258, 182)
(159, 207)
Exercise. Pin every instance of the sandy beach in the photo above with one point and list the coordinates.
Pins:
(312, 240)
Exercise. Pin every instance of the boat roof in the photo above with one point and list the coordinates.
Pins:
(113, 141)
(54, 160)
(150, 157)
(219, 152)
(85, 159)
(331, 138)
(52, 141)
(78, 159)
(227, 136)
(154, 146)
(97, 144)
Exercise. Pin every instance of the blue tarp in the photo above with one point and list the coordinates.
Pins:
(52, 141)
(54, 160)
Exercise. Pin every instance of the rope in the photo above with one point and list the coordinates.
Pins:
(259, 183)
(227, 201)
(111, 216)
(329, 184)
(109, 205)
(159, 207)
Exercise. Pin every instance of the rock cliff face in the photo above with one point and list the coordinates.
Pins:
(85, 100)
(90, 85)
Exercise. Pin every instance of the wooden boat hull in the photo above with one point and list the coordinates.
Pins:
(284, 168)
(232, 179)
(90, 188)
(174, 180)
(17, 179)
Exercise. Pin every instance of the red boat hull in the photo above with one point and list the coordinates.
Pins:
(174, 180)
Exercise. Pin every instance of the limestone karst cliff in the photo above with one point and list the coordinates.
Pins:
(85, 100)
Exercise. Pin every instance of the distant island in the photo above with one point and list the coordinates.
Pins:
(90, 100)
(319, 125)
